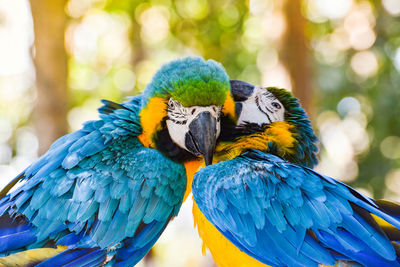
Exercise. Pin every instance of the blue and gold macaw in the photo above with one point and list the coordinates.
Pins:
(262, 204)
(107, 191)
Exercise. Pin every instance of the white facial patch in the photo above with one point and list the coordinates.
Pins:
(179, 119)
(262, 107)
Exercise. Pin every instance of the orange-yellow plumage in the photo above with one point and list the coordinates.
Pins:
(229, 106)
(278, 133)
(191, 168)
(150, 119)
(224, 253)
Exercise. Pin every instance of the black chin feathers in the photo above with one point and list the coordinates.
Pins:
(166, 146)
(234, 131)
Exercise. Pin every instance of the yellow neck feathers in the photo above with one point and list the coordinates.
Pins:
(150, 119)
(229, 106)
(278, 133)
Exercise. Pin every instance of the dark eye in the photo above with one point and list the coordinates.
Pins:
(193, 111)
(276, 105)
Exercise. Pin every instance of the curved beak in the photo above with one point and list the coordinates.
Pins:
(202, 136)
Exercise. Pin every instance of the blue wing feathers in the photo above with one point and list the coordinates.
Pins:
(293, 202)
(66, 258)
(96, 187)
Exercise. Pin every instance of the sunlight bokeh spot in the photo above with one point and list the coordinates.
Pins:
(392, 181)
(333, 9)
(16, 36)
(229, 16)
(348, 105)
(27, 143)
(267, 58)
(5, 130)
(254, 34)
(340, 39)
(260, 7)
(359, 25)
(396, 59)
(154, 23)
(274, 25)
(125, 79)
(77, 116)
(390, 147)
(364, 63)
(5, 154)
(392, 7)
(356, 133)
(277, 76)
(194, 9)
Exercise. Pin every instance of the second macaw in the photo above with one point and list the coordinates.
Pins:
(264, 205)
(106, 192)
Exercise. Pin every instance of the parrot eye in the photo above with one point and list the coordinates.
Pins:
(276, 105)
(171, 104)
(193, 111)
(175, 106)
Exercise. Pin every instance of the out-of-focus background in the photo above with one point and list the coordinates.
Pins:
(341, 58)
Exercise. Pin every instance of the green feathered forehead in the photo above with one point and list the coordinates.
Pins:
(191, 81)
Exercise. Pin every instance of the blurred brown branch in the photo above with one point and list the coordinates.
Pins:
(51, 71)
(295, 54)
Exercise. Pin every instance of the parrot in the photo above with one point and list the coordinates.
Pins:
(105, 193)
(262, 204)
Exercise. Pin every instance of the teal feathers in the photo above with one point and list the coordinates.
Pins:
(100, 184)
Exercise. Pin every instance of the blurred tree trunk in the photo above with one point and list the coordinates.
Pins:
(50, 60)
(295, 54)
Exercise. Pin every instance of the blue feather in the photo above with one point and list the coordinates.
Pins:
(16, 240)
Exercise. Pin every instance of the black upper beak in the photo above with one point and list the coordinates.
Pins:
(202, 136)
(241, 90)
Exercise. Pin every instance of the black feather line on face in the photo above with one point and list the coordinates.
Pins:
(168, 147)
(260, 109)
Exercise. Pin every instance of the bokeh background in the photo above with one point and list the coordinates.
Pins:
(341, 58)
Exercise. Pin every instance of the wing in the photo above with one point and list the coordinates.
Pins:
(95, 188)
(283, 214)
(116, 120)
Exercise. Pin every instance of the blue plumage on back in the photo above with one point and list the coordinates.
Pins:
(285, 214)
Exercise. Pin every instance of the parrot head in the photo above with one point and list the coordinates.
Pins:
(181, 108)
(272, 120)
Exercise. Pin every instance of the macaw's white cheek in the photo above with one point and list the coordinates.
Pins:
(252, 114)
(262, 107)
(177, 133)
